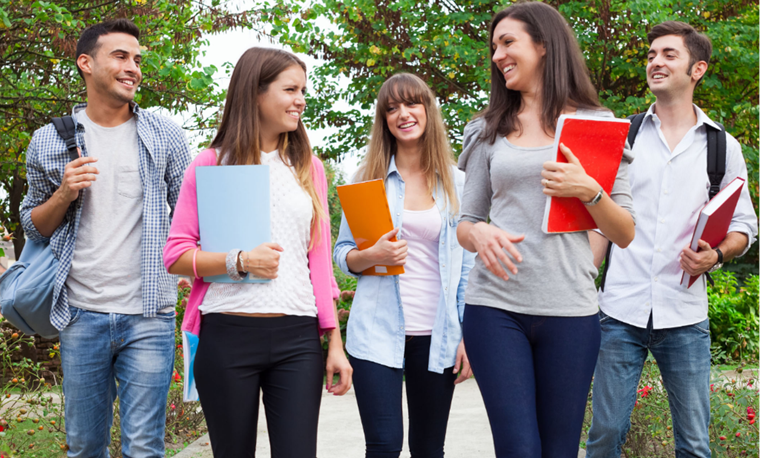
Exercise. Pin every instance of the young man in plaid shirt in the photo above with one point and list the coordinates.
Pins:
(106, 216)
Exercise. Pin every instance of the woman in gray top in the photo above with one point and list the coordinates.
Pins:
(532, 332)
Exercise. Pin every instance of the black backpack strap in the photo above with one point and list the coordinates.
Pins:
(607, 259)
(716, 157)
(636, 121)
(67, 129)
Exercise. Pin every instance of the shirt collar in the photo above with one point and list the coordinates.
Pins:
(392, 167)
(701, 116)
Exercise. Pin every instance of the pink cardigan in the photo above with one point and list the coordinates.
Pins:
(184, 235)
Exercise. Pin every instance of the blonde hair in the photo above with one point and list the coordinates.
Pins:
(436, 158)
(238, 136)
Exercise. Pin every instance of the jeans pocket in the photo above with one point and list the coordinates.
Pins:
(603, 317)
(703, 327)
(74, 313)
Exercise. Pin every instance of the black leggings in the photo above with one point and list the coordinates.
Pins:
(378, 394)
(237, 357)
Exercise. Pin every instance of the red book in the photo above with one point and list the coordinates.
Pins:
(598, 143)
(713, 222)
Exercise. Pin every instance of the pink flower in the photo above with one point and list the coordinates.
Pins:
(645, 391)
(183, 283)
(343, 314)
(173, 406)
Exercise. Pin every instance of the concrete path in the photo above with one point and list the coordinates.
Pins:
(341, 435)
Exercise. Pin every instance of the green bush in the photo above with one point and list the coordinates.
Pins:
(734, 322)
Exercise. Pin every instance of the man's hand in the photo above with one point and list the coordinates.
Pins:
(77, 175)
(697, 263)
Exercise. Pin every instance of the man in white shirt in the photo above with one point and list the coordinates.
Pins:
(643, 306)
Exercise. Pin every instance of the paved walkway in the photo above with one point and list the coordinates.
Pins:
(341, 436)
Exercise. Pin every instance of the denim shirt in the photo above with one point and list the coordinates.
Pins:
(376, 324)
(164, 154)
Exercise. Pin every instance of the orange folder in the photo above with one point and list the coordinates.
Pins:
(369, 217)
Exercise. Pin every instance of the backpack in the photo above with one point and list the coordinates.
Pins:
(26, 288)
(716, 169)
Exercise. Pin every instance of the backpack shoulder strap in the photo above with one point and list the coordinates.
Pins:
(636, 121)
(67, 129)
(716, 157)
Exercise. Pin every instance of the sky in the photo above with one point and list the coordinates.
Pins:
(228, 47)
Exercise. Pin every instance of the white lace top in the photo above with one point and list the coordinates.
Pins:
(291, 292)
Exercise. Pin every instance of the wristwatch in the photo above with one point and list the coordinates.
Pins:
(596, 198)
(718, 264)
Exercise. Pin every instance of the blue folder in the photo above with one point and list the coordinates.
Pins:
(233, 210)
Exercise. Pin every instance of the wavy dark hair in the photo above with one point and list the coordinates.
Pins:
(565, 80)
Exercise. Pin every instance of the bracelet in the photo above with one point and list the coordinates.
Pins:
(195, 271)
(596, 198)
(243, 261)
(231, 264)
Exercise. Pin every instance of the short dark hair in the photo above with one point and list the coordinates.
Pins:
(698, 44)
(88, 41)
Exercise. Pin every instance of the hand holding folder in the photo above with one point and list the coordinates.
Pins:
(369, 217)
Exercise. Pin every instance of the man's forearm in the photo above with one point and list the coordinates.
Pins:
(733, 245)
(598, 247)
(48, 216)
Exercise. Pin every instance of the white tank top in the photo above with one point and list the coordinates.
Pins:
(421, 283)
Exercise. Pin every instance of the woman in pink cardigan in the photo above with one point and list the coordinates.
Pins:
(263, 336)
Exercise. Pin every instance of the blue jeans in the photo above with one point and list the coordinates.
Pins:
(683, 357)
(534, 374)
(428, 395)
(99, 350)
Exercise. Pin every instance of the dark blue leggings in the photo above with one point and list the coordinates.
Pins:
(534, 373)
(428, 395)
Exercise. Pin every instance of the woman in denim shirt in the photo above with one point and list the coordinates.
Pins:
(408, 324)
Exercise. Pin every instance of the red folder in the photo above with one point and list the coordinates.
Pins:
(714, 220)
(598, 143)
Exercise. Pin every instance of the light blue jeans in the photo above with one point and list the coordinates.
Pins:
(108, 354)
(683, 357)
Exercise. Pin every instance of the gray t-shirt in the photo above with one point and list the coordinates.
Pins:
(503, 183)
(105, 270)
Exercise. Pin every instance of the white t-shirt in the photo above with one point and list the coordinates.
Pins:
(421, 283)
(291, 292)
(105, 273)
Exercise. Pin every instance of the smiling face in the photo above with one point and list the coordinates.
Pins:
(406, 122)
(517, 56)
(280, 107)
(668, 69)
(113, 71)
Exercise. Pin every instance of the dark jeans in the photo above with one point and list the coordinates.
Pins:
(239, 356)
(428, 395)
(534, 373)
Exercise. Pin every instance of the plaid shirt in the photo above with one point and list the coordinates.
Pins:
(163, 157)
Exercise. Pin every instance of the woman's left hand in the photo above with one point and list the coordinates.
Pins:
(337, 363)
(568, 179)
(462, 365)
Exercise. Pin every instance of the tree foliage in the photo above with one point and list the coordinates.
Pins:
(445, 42)
(38, 77)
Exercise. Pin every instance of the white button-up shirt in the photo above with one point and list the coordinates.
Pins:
(669, 190)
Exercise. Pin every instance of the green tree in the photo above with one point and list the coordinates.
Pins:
(446, 43)
(38, 77)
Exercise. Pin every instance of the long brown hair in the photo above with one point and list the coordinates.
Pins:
(437, 157)
(239, 134)
(565, 80)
